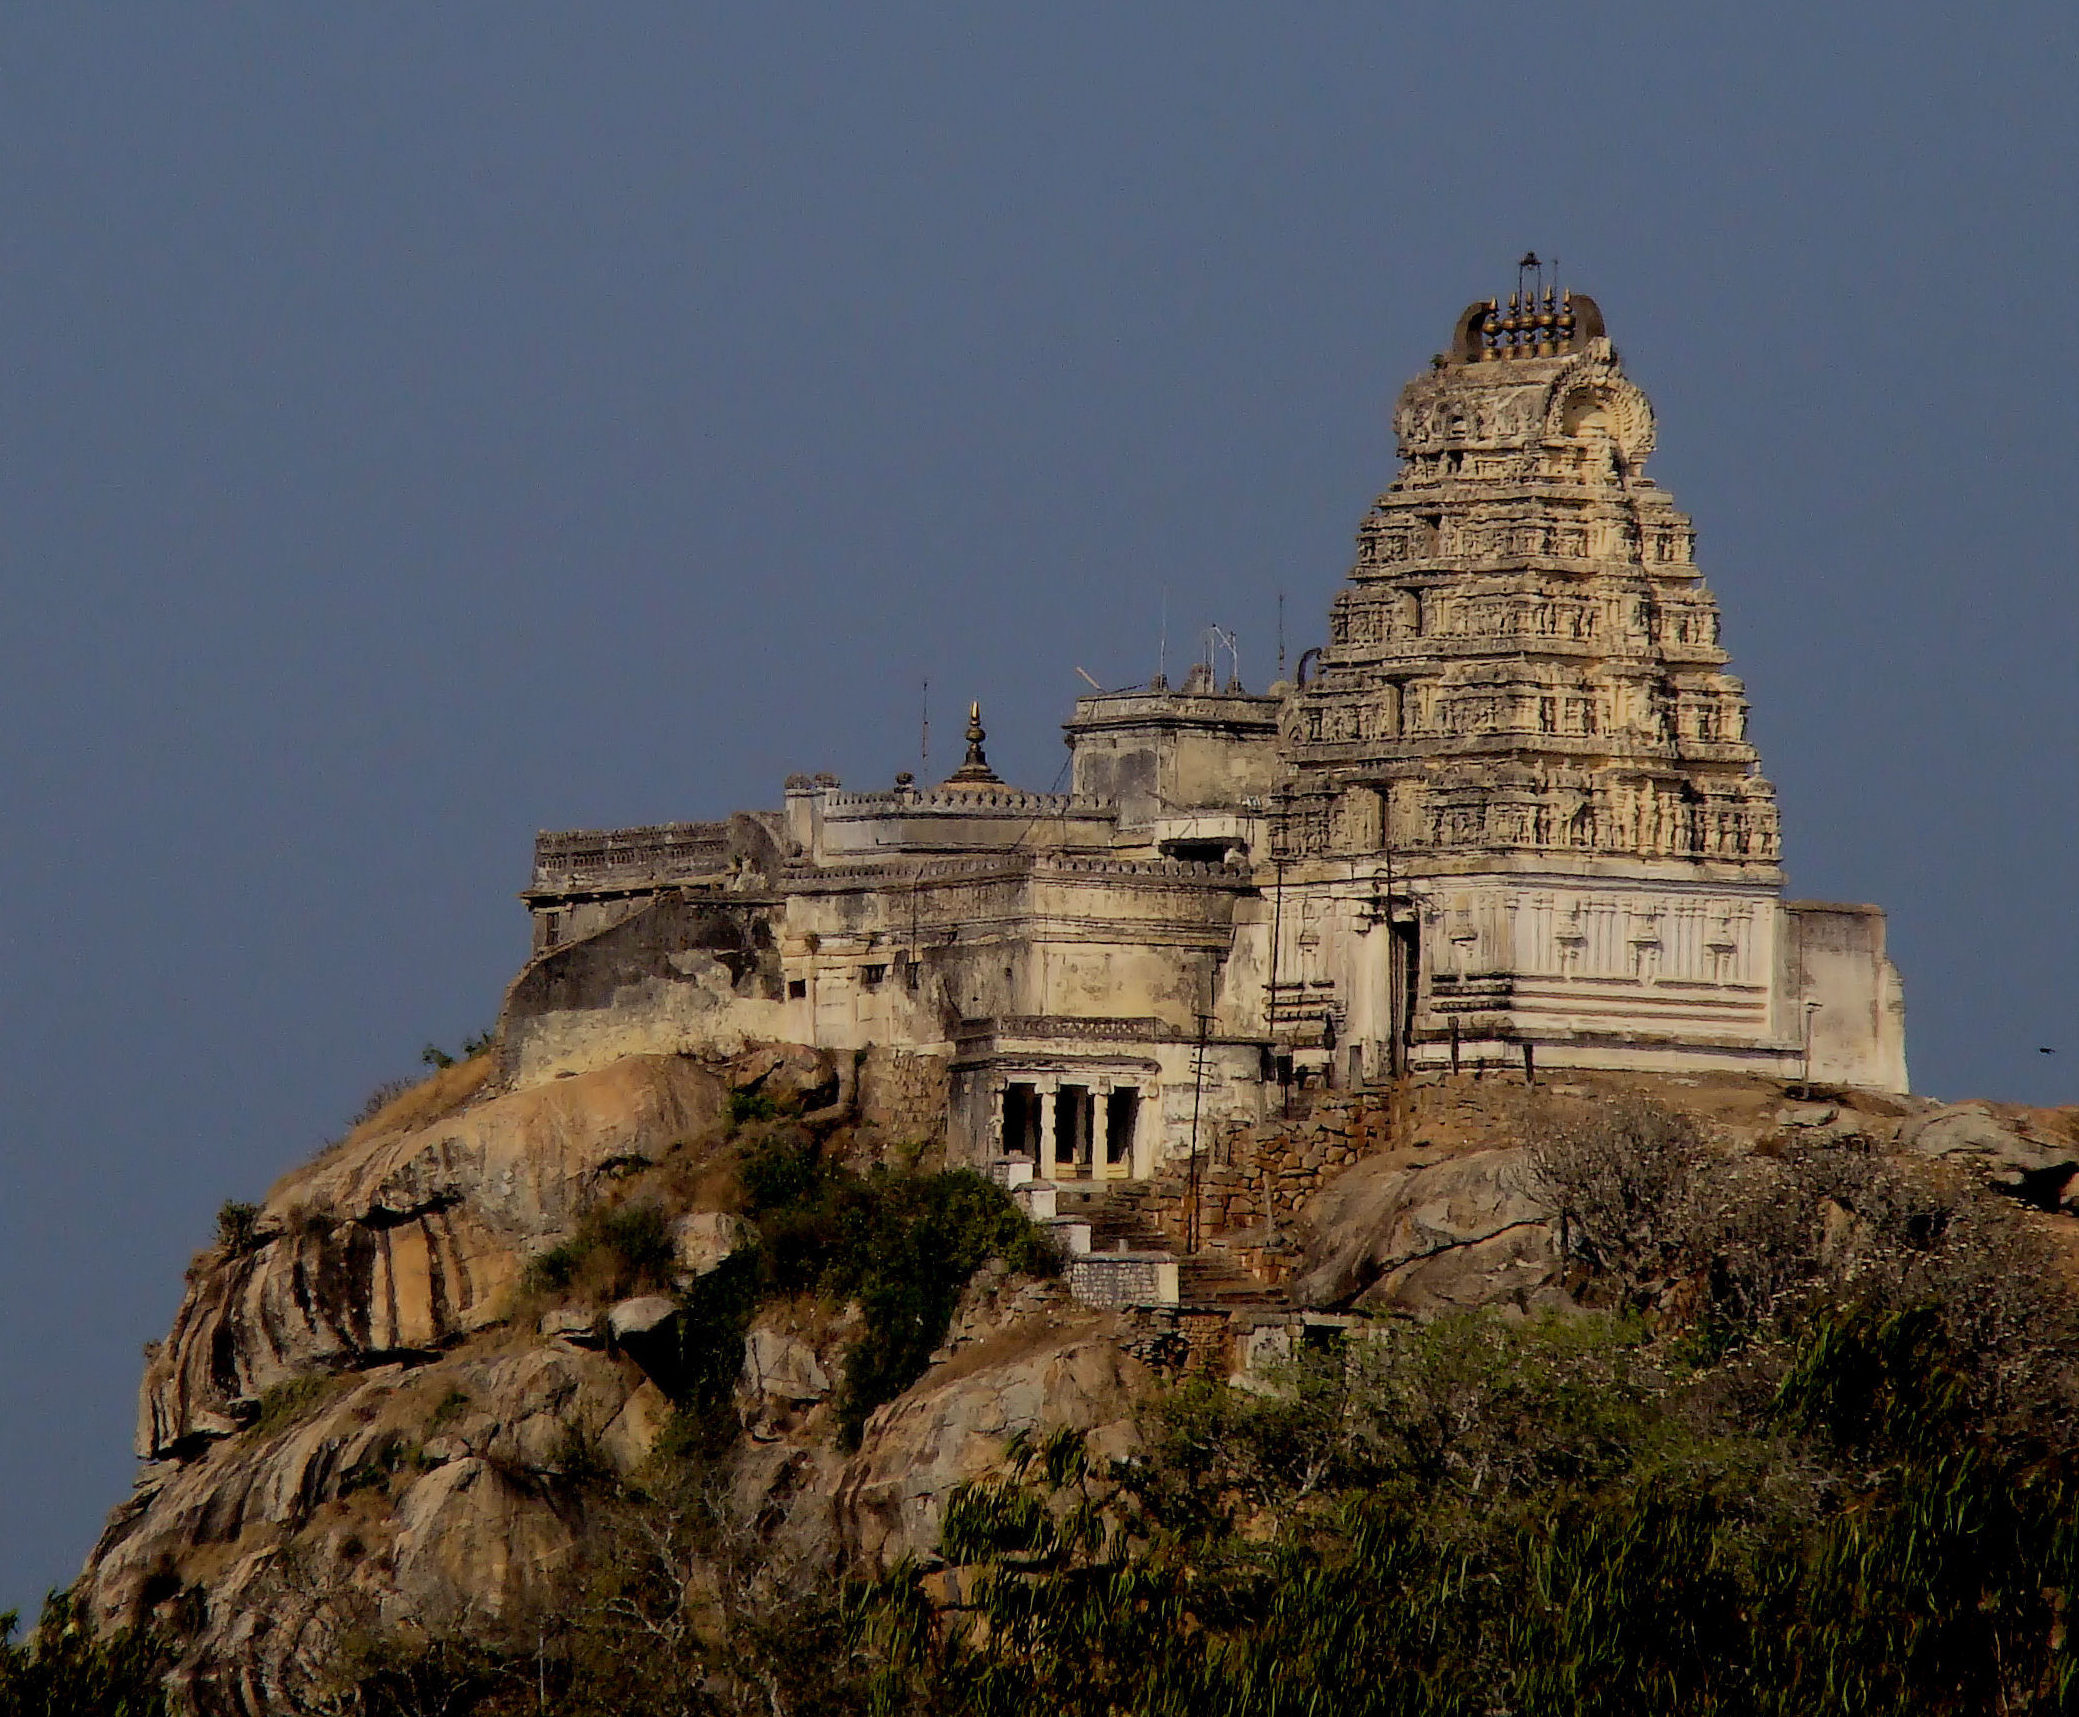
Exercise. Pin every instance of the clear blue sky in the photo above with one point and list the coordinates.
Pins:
(421, 424)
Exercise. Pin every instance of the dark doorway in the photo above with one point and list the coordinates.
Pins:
(1074, 1108)
(1122, 1110)
(1200, 851)
(1021, 1121)
(1405, 985)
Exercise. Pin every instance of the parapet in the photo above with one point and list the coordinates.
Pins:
(578, 861)
(565, 859)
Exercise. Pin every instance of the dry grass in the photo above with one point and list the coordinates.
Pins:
(445, 1093)
(1474, 1111)
(432, 1099)
(1061, 1326)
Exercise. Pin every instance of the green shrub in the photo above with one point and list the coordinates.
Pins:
(618, 1250)
(748, 1106)
(297, 1398)
(1546, 1519)
(66, 1670)
(237, 1228)
(1820, 1457)
(903, 1245)
(716, 1312)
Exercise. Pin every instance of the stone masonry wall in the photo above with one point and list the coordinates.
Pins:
(1179, 1341)
(905, 1095)
(1257, 1179)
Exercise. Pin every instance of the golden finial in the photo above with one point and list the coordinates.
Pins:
(974, 770)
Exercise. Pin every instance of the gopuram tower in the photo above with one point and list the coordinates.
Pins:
(1522, 755)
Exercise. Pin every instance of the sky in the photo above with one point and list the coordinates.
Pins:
(423, 424)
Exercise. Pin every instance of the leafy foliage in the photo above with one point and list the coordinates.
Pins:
(1807, 1446)
(237, 1227)
(1482, 1516)
(1815, 1454)
(902, 1245)
(618, 1250)
(64, 1670)
(748, 1106)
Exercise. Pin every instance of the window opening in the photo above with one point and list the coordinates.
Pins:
(1199, 851)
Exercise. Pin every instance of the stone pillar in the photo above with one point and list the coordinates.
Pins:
(1043, 1153)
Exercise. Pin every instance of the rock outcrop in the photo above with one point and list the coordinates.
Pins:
(369, 1417)
(953, 1426)
(1389, 1235)
(401, 1240)
(372, 1417)
(2031, 1155)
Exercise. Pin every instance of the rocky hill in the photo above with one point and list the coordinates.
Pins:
(416, 1391)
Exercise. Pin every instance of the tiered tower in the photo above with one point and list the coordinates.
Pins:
(1525, 662)
(1520, 756)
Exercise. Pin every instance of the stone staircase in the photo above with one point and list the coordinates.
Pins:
(1119, 1220)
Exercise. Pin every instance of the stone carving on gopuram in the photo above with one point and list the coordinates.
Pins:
(1522, 739)
(1525, 659)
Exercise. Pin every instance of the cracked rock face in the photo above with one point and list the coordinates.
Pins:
(952, 1426)
(398, 1492)
(1390, 1235)
(398, 1242)
(356, 1426)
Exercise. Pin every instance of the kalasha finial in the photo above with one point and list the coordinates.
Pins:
(974, 770)
(1541, 319)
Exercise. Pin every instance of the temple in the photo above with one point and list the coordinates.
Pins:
(1507, 815)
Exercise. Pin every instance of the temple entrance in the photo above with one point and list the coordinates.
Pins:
(1075, 1109)
(1404, 988)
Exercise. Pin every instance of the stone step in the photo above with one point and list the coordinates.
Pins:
(1204, 1281)
(1116, 1213)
